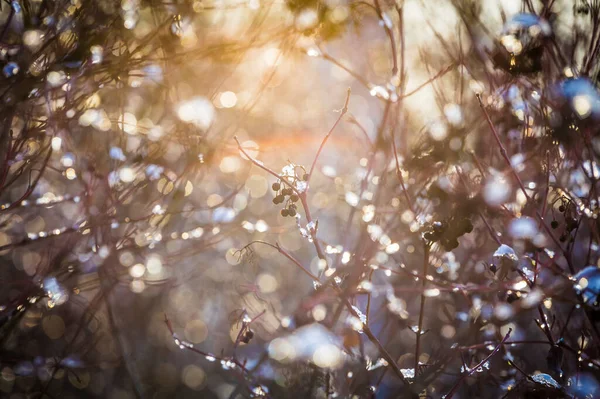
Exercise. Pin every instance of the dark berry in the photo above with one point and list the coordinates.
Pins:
(563, 238)
(449, 244)
(279, 199)
(284, 212)
(464, 226)
(436, 235)
(512, 297)
(276, 186)
(554, 224)
(294, 197)
(247, 336)
(453, 243)
(561, 208)
(429, 236)
(292, 212)
(493, 268)
(287, 191)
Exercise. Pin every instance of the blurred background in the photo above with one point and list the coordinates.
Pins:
(127, 205)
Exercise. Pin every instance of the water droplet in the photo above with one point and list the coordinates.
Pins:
(546, 380)
(587, 284)
(16, 6)
(524, 24)
(408, 373)
(117, 153)
(582, 96)
(10, 69)
(198, 111)
(497, 190)
(506, 253)
(524, 227)
(55, 292)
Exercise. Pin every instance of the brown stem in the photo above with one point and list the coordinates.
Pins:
(422, 308)
(480, 364)
(284, 253)
(367, 331)
(342, 113)
(430, 80)
(390, 34)
(521, 185)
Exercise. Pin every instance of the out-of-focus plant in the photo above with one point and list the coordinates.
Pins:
(104, 154)
(171, 179)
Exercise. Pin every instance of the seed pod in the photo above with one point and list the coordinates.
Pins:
(276, 186)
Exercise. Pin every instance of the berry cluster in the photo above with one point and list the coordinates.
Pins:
(290, 206)
(448, 231)
(571, 223)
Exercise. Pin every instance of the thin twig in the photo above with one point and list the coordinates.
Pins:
(422, 306)
(342, 113)
(480, 364)
(521, 185)
(433, 78)
(284, 253)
